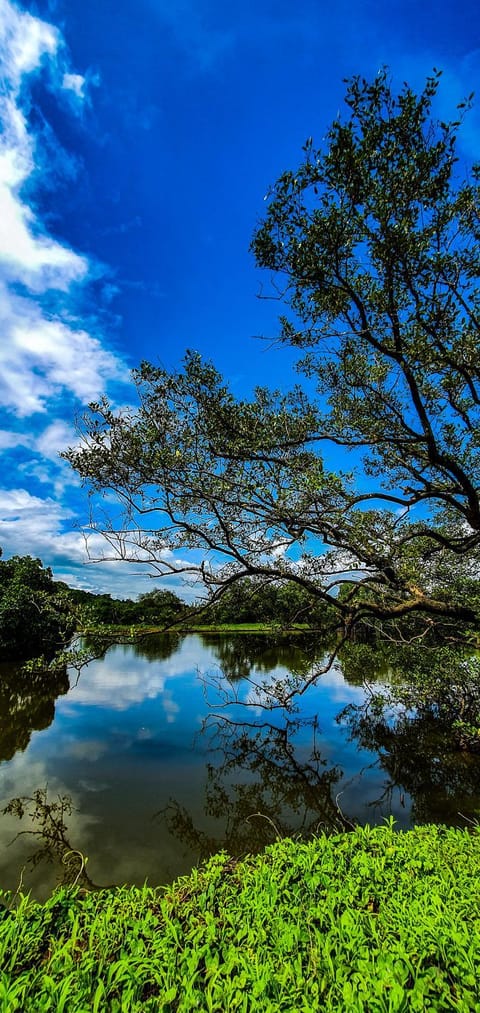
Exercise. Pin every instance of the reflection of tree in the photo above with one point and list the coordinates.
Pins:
(152, 646)
(270, 782)
(425, 726)
(418, 758)
(27, 704)
(157, 647)
(238, 654)
(361, 662)
(47, 818)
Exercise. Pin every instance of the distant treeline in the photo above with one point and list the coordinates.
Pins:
(154, 608)
(247, 601)
(255, 601)
(38, 615)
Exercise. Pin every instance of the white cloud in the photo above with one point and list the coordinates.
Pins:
(41, 354)
(10, 440)
(75, 83)
(43, 527)
(33, 525)
(26, 252)
(41, 358)
(20, 513)
(50, 362)
(24, 41)
(55, 438)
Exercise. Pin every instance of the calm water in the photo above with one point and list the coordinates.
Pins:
(154, 793)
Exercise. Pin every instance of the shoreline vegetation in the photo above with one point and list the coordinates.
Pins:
(370, 920)
(141, 630)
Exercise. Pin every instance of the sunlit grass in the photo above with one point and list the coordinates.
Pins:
(191, 627)
(366, 921)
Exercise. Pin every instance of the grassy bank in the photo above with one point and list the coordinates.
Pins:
(191, 627)
(367, 921)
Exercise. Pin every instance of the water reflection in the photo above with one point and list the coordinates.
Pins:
(27, 704)
(268, 782)
(157, 648)
(417, 757)
(127, 745)
(362, 663)
(237, 656)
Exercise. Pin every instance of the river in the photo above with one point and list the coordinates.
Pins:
(154, 791)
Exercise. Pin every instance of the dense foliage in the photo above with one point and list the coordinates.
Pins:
(35, 615)
(256, 601)
(374, 243)
(155, 608)
(368, 921)
(39, 615)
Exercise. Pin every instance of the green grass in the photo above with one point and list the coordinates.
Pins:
(192, 627)
(244, 628)
(367, 921)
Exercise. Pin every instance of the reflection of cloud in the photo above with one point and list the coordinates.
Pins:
(333, 685)
(120, 680)
(84, 749)
(88, 784)
(144, 734)
(330, 687)
(170, 708)
(116, 683)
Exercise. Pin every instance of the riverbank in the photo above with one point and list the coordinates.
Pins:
(143, 629)
(371, 920)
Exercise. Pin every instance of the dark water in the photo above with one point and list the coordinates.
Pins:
(154, 793)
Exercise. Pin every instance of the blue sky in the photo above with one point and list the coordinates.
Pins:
(138, 142)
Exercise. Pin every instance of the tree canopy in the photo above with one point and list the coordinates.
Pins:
(373, 243)
(156, 607)
(35, 614)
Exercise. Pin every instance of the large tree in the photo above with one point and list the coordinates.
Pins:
(374, 244)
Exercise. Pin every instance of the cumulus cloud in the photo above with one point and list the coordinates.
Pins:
(26, 252)
(30, 523)
(9, 440)
(51, 362)
(38, 526)
(45, 527)
(24, 41)
(42, 354)
(43, 358)
(55, 438)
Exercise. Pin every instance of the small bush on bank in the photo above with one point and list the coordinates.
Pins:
(372, 920)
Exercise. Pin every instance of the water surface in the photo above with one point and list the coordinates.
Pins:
(154, 793)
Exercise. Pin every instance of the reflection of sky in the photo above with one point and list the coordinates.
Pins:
(123, 679)
(125, 740)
